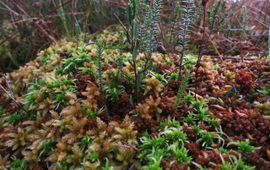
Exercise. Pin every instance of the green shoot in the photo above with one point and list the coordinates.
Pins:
(70, 65)
(78, 31)
(64, 165)
(107, 166)
(154, 159)
(2, 110)
(47, 147)
(159, 77)
(18, 164)
(181, 91)
(188, 99)
(113, 89)
(190, 119)
(113, 92)
(173, 134)
(100, 48)
(93, 157)
(206, 139)
(269, 45)
(264, 91)
(47, 57)
(85, 142)
(64, 19)
(60, 99)
(14, 118)
(241, 165)
(174, 76)
(89, 71)
(91, 113)
(243, 146)
(133, 39)
(156, 142)
(198, 104)
(202, 114)
(154, 166)
(169, 123)
(226, 166)
(223, 150)
(182, 156)
(190, 60)
(213, 122)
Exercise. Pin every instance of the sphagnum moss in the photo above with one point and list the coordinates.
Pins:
(66, 127)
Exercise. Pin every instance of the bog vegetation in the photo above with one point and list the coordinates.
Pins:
(157, 85)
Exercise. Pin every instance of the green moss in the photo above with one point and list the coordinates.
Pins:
(71, 64)
(47, 147)
(182, 156)
(2, 110)
(15, 118)
(92, 157)
(243, 146)
(18, 164)
(169, 123)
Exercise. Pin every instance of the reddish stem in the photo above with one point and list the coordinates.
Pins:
(136, 80)
(135, 73)
(204, 3)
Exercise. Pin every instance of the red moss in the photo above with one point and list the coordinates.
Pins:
(244, 81)
(208, 158)
(122, 106)
(249, 124)
(82, 81)
(255, 158)
(177, 166)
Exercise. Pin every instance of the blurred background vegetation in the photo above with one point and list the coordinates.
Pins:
(28, 26)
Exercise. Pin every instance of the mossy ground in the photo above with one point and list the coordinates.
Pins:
(79, 111)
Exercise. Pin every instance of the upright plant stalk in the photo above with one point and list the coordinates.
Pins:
(134, 56)
(63, 19)
(181, 90)
(204, 4)
(142, 35)
(269, 45)
(78, 31)
(245, 20)
(214, 15)
(244, 30)
(148, 29)
(132, 36)
(6, 89)
(185, 23)
(99, 53)
(148, 33)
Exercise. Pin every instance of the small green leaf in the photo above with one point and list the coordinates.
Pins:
(2, 110)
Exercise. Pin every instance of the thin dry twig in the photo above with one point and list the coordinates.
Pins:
(8, 91)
